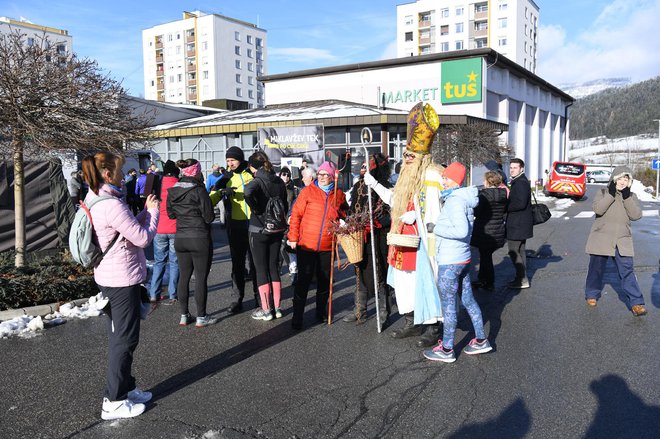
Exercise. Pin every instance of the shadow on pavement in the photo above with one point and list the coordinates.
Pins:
(539, 259)
(655, 290)
(621, 413)
(513, 423)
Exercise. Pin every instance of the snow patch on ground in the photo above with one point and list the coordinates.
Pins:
(31, 326)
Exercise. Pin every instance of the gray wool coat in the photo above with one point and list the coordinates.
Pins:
(611, 229)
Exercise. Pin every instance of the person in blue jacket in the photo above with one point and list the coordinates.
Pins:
(453, 230)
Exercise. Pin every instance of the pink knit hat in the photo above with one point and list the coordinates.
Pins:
(328, 167)
(455, 172)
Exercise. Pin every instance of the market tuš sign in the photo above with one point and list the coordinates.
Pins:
(460, 82)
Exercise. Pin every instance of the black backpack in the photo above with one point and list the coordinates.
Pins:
(274, 216)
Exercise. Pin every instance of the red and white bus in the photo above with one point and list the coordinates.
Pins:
(566, 179)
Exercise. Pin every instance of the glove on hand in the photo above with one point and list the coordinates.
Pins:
(408, 217)
(625, 192)
(612, 188)
(220, 184)
(228, 191)
(369, 180)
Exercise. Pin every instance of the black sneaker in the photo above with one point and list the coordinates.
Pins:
(235, 308)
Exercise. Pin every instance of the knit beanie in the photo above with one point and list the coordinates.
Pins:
(169, 168)
(235, 153)
(328, 167)
(455, 172)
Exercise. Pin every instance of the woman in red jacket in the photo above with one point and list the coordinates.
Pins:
(317, 206)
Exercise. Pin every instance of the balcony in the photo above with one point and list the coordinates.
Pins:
(425, 23)
(192, 82)
(480, 32)
(159, 58)
(191, 67)
(160, 86)
(190, 53)
(160, 72)
(192, 97)
(159, 44)
(190, 38)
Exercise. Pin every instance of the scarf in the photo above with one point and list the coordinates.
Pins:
(327, 188)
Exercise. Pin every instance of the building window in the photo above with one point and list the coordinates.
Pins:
(205, 74)
(169, 37)
(250, 67)
(251, 94)
(171, 79)
(178, 36)
(481, 25)
(501, 42)
(483, 7)
(238, 78)
(459, 28)
(205, 45)
(408, 20)
(205, 60)
(249, 53)
(444, 13)
(409, 36)
(525, 11)
(249, 39)
(525, 47)
(502, 7)
(459, 45)
(425, 17)
(444, 30)
(459, 11)
(178, 50)
(237, 36)
(481, 43)
(425, 50)
(501, 23)
(152, 83)
(238, 63)
(250, 80)
(258, 42)
(444, 47)
(239, 92)
(237, 50)
(179, 77)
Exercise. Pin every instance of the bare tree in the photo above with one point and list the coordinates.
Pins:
(49, 102)
(471, 143)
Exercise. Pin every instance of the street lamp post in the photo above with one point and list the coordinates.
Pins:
(657, 171)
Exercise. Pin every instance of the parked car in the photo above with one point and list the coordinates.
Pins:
(599, 176)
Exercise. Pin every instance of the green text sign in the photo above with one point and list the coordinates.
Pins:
(461, 81)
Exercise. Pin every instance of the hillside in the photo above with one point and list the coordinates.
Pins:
(617, 112)
(582, 89)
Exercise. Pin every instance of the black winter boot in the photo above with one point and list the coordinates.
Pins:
(430, 337)
(409, 328)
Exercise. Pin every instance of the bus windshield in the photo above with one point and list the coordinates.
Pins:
(569, 169)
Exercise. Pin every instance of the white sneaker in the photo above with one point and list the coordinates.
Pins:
(120, 409)
(137, 396)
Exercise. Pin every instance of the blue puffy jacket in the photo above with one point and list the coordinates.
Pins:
(453, 228)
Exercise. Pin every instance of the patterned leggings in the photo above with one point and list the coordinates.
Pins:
(451, 279)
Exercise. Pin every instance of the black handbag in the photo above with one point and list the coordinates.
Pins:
(540, 212)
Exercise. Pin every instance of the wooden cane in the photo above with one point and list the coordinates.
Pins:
(332, 254)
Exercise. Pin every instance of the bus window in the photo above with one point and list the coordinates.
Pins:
(569, 169)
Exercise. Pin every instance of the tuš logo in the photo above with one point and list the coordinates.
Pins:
(461, 81)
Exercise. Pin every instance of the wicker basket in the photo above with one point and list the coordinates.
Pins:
(353, 246)
(399, 240)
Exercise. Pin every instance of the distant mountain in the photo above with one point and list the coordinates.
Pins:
(582, 89)
(617, 112)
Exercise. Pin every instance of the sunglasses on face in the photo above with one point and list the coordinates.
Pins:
(323, 174)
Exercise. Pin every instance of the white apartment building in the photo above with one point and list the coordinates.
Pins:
(34, 34)
(433, 26)
(205, 57)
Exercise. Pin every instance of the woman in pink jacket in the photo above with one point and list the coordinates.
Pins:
(119, 276)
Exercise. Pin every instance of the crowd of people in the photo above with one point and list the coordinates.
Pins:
(425, 222)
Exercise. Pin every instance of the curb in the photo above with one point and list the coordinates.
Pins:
(38, 310)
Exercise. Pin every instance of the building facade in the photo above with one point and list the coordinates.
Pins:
(205, 57)
(478, 83)
(434, 26)
(34, 34)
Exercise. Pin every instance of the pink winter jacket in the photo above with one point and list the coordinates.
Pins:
(124, 265)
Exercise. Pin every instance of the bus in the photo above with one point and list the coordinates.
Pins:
(566, 179)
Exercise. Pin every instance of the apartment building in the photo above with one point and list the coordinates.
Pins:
(34, 34)
(433, 26)
(205, 57)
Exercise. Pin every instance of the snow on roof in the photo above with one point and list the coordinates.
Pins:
(284, 112)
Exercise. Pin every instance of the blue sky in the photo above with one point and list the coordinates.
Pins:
(579, 40)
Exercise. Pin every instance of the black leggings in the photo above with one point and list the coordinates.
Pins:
(266, 256)
(310, 263)
(193, 254)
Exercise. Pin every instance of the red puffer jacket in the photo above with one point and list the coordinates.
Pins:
(312, 213)
(166, 225)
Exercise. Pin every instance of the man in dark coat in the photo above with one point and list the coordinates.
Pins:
(519, 221)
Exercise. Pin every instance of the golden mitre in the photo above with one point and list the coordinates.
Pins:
(423, 122)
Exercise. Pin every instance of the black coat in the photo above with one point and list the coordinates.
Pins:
(257, 198)
(489, 231)
(189, 203)
(519, 221)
